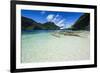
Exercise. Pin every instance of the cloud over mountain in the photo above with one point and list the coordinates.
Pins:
(57, 19)
(50, 17)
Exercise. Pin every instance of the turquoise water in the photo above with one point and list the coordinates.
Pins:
(48, 46)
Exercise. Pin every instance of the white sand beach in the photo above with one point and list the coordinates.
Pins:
(52, 47)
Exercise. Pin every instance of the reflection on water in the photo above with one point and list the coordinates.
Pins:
(50, 46)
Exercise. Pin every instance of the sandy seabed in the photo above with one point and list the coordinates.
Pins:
(45, 47)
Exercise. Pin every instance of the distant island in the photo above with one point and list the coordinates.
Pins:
(83, 23)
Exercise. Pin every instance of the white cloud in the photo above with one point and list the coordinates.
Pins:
(56, 18)
(62, 26)
(61, 22)
(50, 17)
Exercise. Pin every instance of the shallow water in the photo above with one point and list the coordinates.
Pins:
(46, 47)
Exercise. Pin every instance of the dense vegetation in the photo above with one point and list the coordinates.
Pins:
(83, 23)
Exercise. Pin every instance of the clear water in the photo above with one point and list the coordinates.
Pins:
(48, 46)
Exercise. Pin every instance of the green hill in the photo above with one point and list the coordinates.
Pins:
(83, 23)
(29, 25)
(50, 25)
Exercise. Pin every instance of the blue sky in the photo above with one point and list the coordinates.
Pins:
(62, 19)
